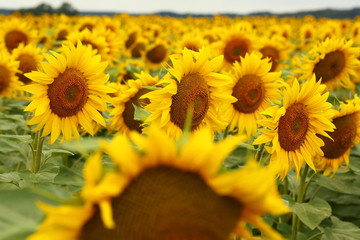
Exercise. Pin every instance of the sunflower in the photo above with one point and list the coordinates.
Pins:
(123, 112)
(179, 177)
(29, 58)
(94, 39)
(307, 35)
(69, 90)
(156, 54)
(345, 136)
(193, 41)
(194, 86)
(13, 31)
(277, 48)
(123, 68)
(294, 128)
(87, 22)
(254, 87)
(132, 34)
(62, 30)
(138, 48)
(9, 83)
(333, 61)
(235, 43)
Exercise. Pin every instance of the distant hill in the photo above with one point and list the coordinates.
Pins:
(325, 13)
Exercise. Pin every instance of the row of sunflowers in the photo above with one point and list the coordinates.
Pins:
(149, 127)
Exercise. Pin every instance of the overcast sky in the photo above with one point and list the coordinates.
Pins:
(190, 6)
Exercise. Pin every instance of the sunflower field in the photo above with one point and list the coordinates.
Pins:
(158, 128)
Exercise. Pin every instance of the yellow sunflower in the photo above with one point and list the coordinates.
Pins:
(94, 39)
(235, 43)
(194, 86)
(156, 54)
(277, 48)
(123, 113)
(191, 40)
(123, 68)
(14, 31)
(333, 61)
(307, 35)
(29, 58)
(345, 136)
(69, 90)
(254, 87)
(126, 201)
(9, 83)
(293, 129)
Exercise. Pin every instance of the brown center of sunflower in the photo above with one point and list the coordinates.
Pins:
(235, 48)
(129, 111)
(27, 64)
(4, 79)
(157, 54)
(62, 35)
(344, 136)
(131, 40)
(88, 26)
(330, 67)
(14, 38)
(192, 46)
(68, 93)
(273, 54)
(210, 38)
(249, 92)
(293, 127)
(89, 43)
(165, 203)
(192, 92)
(137, 50)
(308, 34)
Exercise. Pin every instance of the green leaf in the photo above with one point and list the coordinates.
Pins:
(346, 210)
(152, 88)
(19, 215)
(133, 69)
(341, 231)
(337, 198)
(69, 176)
(83, 146)
(140, 114)
(57, 152)
(22, 139)
(348, 183)
(313, 212)
(10, 177)
(46, 174)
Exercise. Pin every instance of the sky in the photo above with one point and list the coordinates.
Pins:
(190, 6)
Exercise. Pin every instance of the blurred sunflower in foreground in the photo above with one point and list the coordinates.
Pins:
(172, 192)
(69, 90)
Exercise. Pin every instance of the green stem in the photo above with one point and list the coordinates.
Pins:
(300, 198)
(309, 181)
(38, 143)
(260, 154)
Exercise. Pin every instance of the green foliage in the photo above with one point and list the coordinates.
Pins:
(312, 213)
(19, 214)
